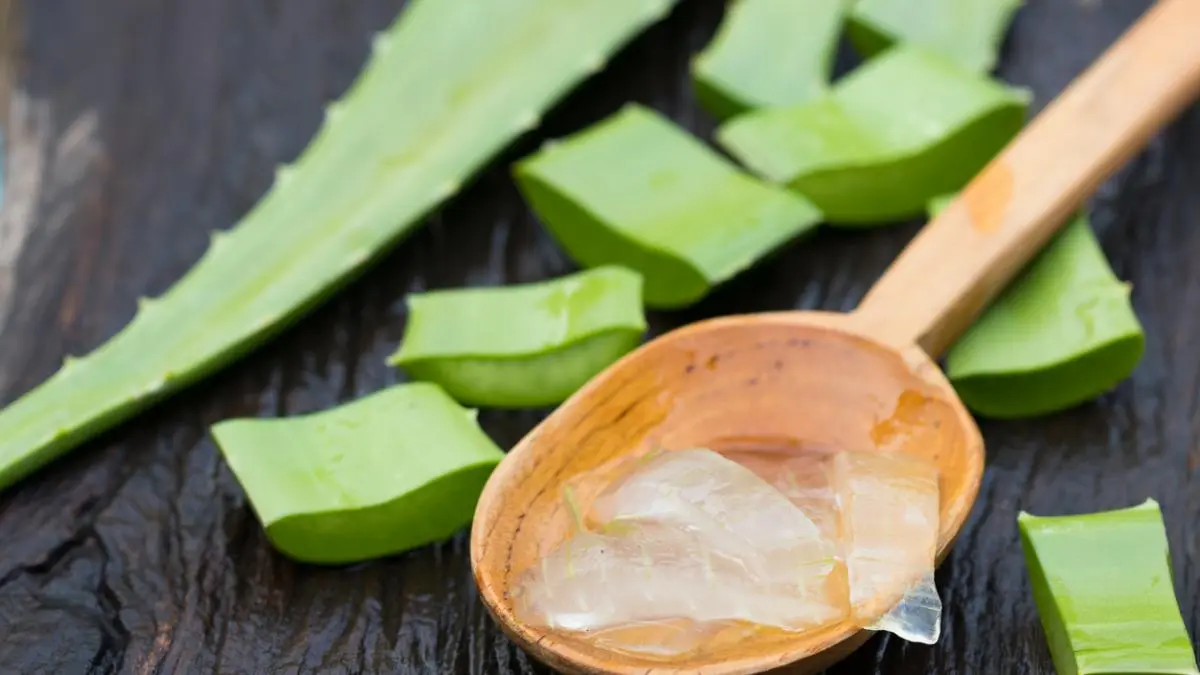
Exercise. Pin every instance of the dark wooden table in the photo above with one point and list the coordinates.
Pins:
(137, 126)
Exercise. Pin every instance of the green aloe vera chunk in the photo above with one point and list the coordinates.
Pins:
(1062, 333)
(769, 53)
(449, 85)
(393, 471)
(968, 31)
(898, 131)
(524, 345)
(1102, 584)
(636, 190)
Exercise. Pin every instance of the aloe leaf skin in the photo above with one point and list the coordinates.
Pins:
(637, 191)
(449, 85)
(768, 53)
(895, 133)
(392, 471)
(1061, 334)
(1103, 587)
(970, 32)
(526, 345)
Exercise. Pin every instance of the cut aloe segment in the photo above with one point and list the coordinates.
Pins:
(1102, 583)
(636, 190)
(895, 133)
(969, 32)
(390, 472)
(1062, 333)
(769, 53)
(524, 345)
(448, 86)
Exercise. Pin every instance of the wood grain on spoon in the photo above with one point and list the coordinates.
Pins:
(865, 380)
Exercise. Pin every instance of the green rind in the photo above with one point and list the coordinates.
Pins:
(448, 86)
(636, 190)
(898, 131)
(1063, 333)
(387, 473)
(1103, 587)
(524, 345)
(543, 380)
(970, 32)
(768, 53)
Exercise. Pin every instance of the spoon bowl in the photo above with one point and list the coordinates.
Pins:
(789, 379)
(860, 381)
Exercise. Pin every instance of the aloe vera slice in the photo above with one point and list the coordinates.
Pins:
(448, 86)
(636, 190)
(1062, 333)
(393, 471)
(525, 345)
(898, 131)
(769, 53)
(968, 31)
(1102, 584)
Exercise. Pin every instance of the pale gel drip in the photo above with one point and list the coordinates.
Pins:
(888, 504)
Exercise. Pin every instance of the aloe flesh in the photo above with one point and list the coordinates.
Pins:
(393, 471)
(638, 191)
(970, 32)
(1061, 334)
(1103, 587)
(522, 345)
(448, 85)
(768, 53)
(895, 133)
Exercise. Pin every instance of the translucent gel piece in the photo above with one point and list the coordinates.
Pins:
(803, 477)
(689, 542)
(889, 526)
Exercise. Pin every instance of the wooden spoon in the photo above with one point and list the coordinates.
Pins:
(861, 380)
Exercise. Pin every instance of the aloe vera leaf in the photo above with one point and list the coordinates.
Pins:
(768, 53)
(1062, 333)
(900, 130)
(1103, 588)
(968, 31)
(523, 345)
(392, 471)
(449, 84)
(636, 190)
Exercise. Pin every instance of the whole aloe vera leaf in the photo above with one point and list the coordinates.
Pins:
(449, 85)
(392, 471)
(769, 53)
(636, 190)
(1062, 333)
(969, 32)
(522, 345)
(895, 133)
(1103, 588)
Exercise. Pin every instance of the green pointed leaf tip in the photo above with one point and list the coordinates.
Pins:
(969, 32)
(448, 86)
(636, 190)
(524, 345)
(769, 53)
(1062, 333)
(898, 131)
(1103, 587)
(390, 472)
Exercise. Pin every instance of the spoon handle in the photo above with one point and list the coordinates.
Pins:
(965, 256)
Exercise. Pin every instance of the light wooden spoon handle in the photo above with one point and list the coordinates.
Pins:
(964, 257)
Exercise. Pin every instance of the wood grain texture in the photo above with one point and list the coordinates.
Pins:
(135, 127)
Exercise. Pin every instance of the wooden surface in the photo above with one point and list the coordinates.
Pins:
(135, 127)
